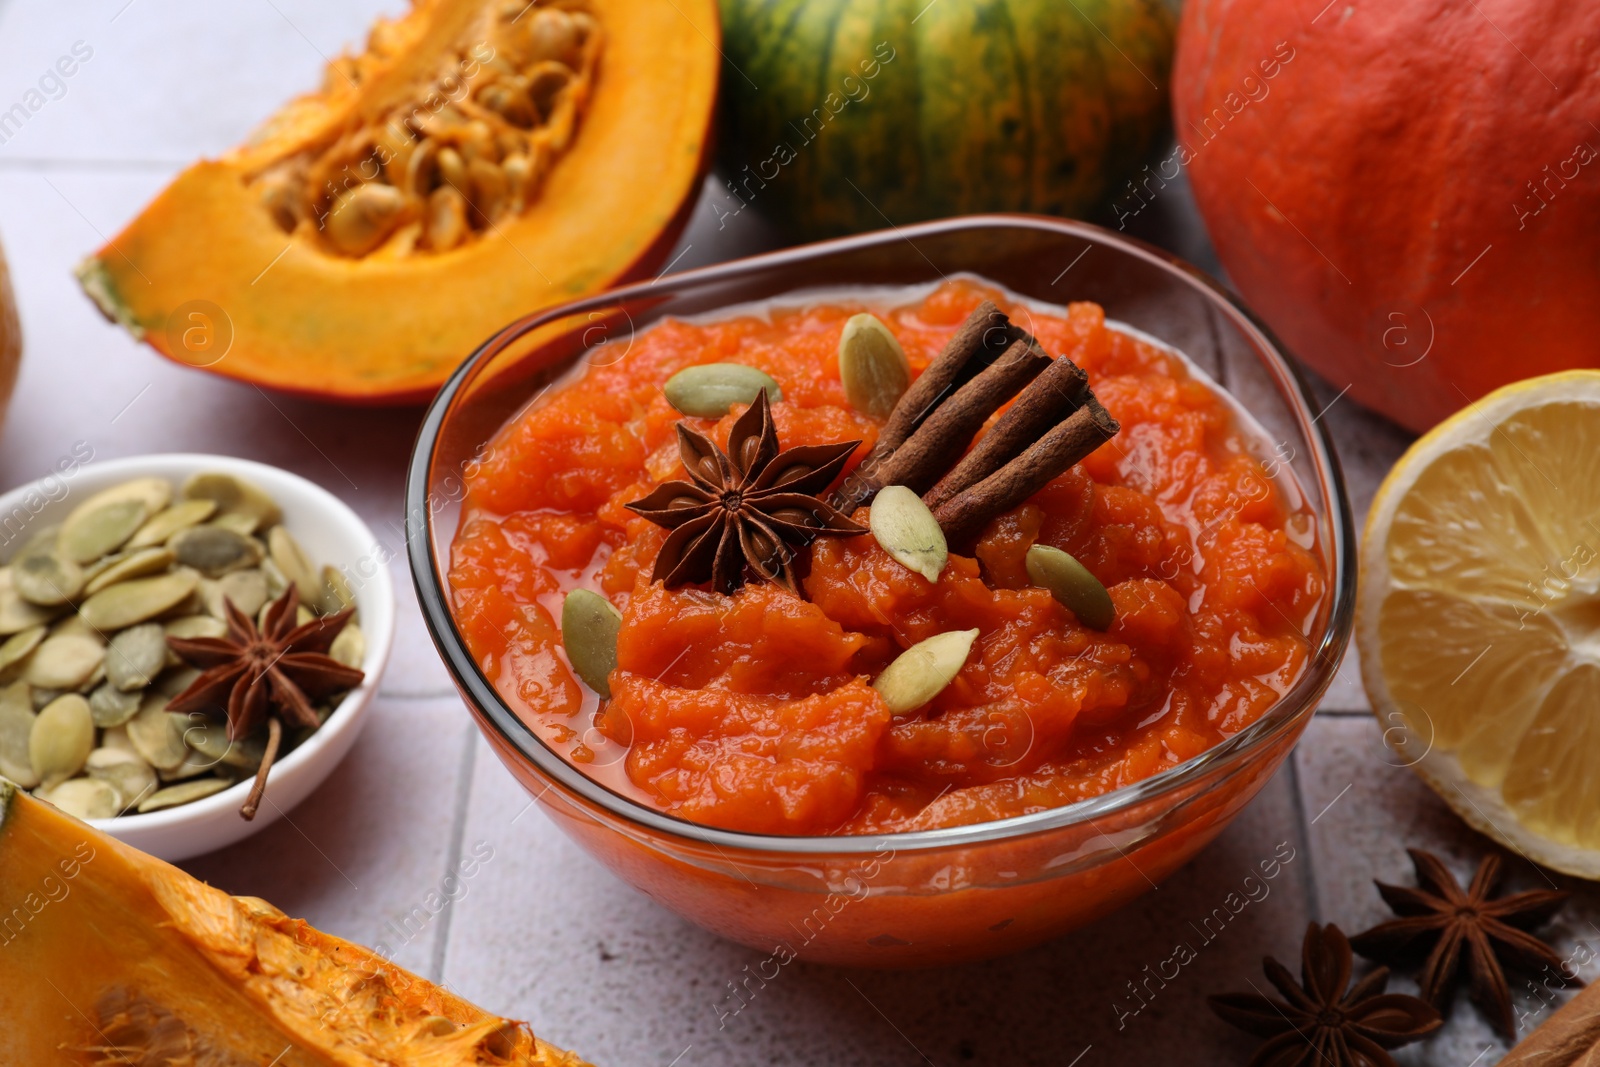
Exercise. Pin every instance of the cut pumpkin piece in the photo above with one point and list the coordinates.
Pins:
(1478, 616)
(481, 160)
(109, 956)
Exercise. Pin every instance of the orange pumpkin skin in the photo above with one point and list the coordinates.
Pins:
(1412, 202)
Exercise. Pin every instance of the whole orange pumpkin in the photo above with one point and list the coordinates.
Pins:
(1407, 192)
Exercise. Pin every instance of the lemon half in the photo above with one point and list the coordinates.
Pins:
(1478, 615)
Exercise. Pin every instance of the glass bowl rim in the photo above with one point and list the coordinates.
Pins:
(1284, 714)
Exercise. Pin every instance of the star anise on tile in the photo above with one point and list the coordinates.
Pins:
(745, 511)
(1467, 929)
(273, 672)
(1320, 1023)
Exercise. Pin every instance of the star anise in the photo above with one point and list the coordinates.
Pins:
(1469, 930)
(275, 671)
(1319, 1023)
(746, 509)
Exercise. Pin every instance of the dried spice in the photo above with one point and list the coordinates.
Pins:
(1569, 1038)
(1319, 1023)
(745, 510)
(271, 673)
(1471, 930)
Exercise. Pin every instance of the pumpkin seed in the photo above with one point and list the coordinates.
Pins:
(124, 771)
(362, 217)
(84, 798)
(74, 626)
(89, 534)
(43, 697)
(64, 661)
(17, 614)
(589, 625)
(452, 170)
(209, 737)
(175, 681)
(1071, 583)
(872, 366)
(110, 706)
(157, 735)
(247, 590)
(237, 521)
(446, 218)
(350, 647)
(135, 564)
(154, 493)
(233, 495)
(120, 606)
(711, 389)
(214, 550)
(18, 647)
(117, 737)
(276, 582)
(551, 35)
(436, 1026)
(136, 655)
(488, 188)
(907, 530)
(61, 739)
(336, 592)
(179, 516)
(193, 765)
(921, 672)
(42, 577)
(183, 793)
(16, 728)
(192, 626)
(296, 567)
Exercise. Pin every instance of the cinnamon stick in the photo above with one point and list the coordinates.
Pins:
(985, 334)
(1047, 400)
(1085, 430)
(1569, 1038)
(949, 429)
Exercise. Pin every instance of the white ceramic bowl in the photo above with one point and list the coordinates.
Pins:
(330, 533)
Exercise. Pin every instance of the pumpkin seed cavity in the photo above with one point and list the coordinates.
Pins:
(468, 150)
(83, 693)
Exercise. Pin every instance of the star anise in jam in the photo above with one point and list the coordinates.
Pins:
(746, 510)
(1470, 930)
(1321, 1024)
(273, 672)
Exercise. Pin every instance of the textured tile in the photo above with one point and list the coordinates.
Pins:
(366, 855)
(550, 936)
(1365, 810)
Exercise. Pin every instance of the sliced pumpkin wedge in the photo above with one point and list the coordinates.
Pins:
(109, 956)
(480, 160)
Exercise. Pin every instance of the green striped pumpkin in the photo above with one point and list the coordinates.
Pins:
(848, 115)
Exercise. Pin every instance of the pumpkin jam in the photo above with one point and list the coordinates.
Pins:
(755, 711)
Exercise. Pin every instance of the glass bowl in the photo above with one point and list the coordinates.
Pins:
(926, 897)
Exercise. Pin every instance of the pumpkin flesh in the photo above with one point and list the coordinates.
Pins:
(109, 956)
(389, 325)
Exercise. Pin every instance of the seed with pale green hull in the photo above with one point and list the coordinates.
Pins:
(17, 614)
(89, 534)
(126, 603)
(350, 647)
(214, 551)
(197, 626)
(872, 366)
(237, 522)
(64, 661)
(42, 577)
(182, 793)
(124, 771)
(84, 798)
(154, 493)
(136, 655)
(209, 737)
(61, 739)
(16, 728)
(922, 671)
(137, 564)
(157, 735)
(295, 564)
(1071, 583)
(180, 516)
(18, 647)
(711, 389)
(276, 582)
(110, 706)
(117, 737)
(907, 530)
(176, 680)
(336, 592)
(232, 494)
(192, 765)
(589, 625)
(247, 590)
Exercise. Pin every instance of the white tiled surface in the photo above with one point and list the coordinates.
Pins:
(541, 931)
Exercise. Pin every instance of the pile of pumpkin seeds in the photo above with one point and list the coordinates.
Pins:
(85, 610)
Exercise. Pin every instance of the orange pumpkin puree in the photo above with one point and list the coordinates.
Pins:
(755, 711)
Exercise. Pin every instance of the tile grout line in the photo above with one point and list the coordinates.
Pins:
(1313, 896)
(458, 831)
